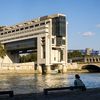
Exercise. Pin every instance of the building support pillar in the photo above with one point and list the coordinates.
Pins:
(48, 69)
(64, 70)
(39, 69)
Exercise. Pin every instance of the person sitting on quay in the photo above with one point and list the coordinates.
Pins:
(78, 83)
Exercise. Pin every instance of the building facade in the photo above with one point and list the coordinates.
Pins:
(45, 35)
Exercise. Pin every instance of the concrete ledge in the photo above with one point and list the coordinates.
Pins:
(10, 93)
(90, 94)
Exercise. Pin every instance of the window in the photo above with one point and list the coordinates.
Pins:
(53, 41)
(9, 31)
(13, 30)
(22, 29)
(17, 29)
(42, 23)
(36, 25)
(1, 33)
(59, 26)
(54, 58)
(26, 27)
(31, 26)
(47, 22)
(63, 42)
(1, 29)
(61, 55)
(43, 51)
(5, 33)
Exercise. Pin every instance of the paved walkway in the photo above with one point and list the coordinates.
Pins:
(91, 94)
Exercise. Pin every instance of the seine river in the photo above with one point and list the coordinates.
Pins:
(34, 83)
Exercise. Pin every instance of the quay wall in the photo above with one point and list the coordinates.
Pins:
(30, 68)
(17, 68)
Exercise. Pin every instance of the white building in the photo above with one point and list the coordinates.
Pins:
(45, 35)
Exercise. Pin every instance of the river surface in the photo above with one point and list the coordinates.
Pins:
(34, 83)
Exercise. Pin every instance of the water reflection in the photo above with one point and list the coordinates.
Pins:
(33, 83)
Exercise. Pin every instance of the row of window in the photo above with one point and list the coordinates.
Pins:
(24, 28)
(58, 42)
(25, 31)
(18, 37)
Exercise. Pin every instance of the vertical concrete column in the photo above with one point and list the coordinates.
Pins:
(48, 67)
(98, 60)
(38, 50)
(88, 60)
(48, 52)
(85, 60)
(39, 69)
(95, 60)
(64, 70)
(91, 60)
(65, 55)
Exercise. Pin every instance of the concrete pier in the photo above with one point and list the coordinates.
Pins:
(39, 69)
(48, 71)
(64, 70)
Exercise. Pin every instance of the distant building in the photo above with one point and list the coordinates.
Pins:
(93, 56)
(87, 51)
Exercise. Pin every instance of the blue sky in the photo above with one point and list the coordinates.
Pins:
(83, 17)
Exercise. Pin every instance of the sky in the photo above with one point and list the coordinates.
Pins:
(83, 17)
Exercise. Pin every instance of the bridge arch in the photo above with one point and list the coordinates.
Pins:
(91, 68)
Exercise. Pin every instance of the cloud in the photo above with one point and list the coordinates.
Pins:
(87, 34)
(98, 25)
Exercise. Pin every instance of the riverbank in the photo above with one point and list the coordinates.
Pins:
(90, 94)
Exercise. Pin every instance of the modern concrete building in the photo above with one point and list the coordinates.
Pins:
(45, 35)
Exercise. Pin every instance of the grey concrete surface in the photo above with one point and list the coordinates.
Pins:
(90, 94)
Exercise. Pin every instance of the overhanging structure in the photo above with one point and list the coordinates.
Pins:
(45, 35)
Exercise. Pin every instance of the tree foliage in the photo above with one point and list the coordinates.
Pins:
(75, 53)
(2, 51)
(28, 58)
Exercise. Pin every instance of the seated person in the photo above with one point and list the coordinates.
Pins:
(78, 83)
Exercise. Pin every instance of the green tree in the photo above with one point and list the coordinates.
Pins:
(28, 58)
(2, 51)
(75, 53)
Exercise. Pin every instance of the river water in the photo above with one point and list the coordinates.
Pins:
(34, 83)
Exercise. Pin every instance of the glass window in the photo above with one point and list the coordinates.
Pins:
(9, 31)
(13, 30)
(53, 41)
(5, 33)
(42, 23)
(32, 26)
(61, 55)
(59, 26)
(17, 29)
(63, 42)
(47, 22)
(1, 33)
(36, 25)
(22, 29)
